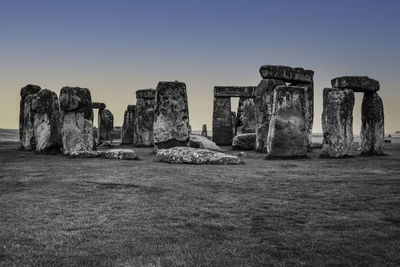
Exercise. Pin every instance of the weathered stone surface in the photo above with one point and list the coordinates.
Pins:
(287, 74)
(127, 154)
(245, 141)
(309, 95)
(234, 91)
(47, 121)
(372, 127)
(98, 105)
(27, 90)
(247, 115)
(144, 119)
(198, 141)
(76, 132)
(171, 116)
(337, 122)
(263, 103)
(106, 125)
(356, 83)
(146, 94)
(222, 132)
(28, 135)
(128, 126)
(122, 154)
(189, 155)
(78, 100)
(204, 130)
(287, 134)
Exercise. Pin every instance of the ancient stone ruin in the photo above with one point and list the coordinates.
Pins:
(26, 117)
(77, 119)
(106, 126)
(143, 134)
(128, 125)
(47, 121)
(285, 108)
(337, 118)
(224, 124)
(204, 130)
(171, 116)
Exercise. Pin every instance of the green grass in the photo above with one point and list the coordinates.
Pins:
(58, 211)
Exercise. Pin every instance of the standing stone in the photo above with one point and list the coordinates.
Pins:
(106, 126)
(204, 130)
(234, 120)
(171, 116)
(248, 117)
(337, 122)
(128, 126)
(77, 119)
(238, 123)
(222, 121)
(263, 103)
(309, 94)
(372, 127)
(47, 121)
(25, 91)
(28, 141)
(287, 134)
(143, 134)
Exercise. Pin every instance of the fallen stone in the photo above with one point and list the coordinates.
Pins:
(198, 141)
(372, 126)
(188, 155)
(122, 154)
(263, 103)
(47, 121)
(287, 134)
(244, 142)
(287, 74)
(87, 154)
(171, 116)
(106, 144)
(143, 134)
(128, 125)
(106, 125)
(78, 100)
(356, 83)
(337, 122)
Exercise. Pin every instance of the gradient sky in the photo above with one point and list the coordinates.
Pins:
(116, 47)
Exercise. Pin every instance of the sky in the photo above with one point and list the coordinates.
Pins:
(117, 47)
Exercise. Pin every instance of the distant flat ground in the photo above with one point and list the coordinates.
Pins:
(58, 211)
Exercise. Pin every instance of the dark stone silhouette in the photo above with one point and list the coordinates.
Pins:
(26, 135)
(129, 125)
(286, 73)
(356, 83)
(106, 126)
(372, 127)
(143, 134)
(204, 130)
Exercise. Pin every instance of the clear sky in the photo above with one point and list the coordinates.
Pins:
(116, 47)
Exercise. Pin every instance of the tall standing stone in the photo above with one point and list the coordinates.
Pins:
(372, 127)
(337, 122)
(77, 119)
(26, 134)
(143, 134)
(128, 126)
(287, 134)
(171, 116)
(222, 121)
(106, 126)
(47, 121)
(263, 103)
(247, 116)
(204, 130)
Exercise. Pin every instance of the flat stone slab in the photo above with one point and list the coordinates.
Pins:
(286, 73)
(234, 91)
(122, 154)
(98, 105)
(188, 155)
(356, 83)
(131, 107)
(198, 141)
(146, 94)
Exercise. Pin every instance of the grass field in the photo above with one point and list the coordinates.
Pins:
(57, 211)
